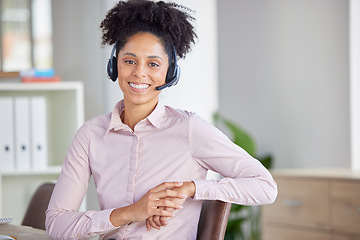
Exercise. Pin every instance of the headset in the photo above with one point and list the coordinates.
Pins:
(172, 75)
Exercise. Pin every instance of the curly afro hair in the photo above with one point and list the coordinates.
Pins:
(170, 22)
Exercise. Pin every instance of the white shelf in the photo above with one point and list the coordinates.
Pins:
(48, 86)
(51, 170)
(65, 114)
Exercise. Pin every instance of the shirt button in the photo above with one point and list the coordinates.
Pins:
(206, 195)
(232, 199)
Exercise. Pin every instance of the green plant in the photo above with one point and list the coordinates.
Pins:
(244, 221)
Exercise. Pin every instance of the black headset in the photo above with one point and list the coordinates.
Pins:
(172, 75)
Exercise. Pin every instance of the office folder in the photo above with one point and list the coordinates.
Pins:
(7, 150)
(22, 133)
(38, 132)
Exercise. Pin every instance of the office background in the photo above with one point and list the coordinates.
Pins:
(280, 69)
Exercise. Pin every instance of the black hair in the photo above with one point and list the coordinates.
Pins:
(170, 22)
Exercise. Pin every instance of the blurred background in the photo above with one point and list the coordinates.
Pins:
(280, 69)
(287, 71)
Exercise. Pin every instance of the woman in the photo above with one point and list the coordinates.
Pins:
(149, 161)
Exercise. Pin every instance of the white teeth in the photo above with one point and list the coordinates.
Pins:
(139, 86)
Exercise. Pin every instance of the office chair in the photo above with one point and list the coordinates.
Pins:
(213, 220)
(35, 213)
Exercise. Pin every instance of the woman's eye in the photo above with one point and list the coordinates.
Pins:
(154, 65)
(129, 61)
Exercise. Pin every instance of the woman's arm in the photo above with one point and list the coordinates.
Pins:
(63, 219)
(246, 181)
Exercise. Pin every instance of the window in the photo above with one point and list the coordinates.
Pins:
(25, 34)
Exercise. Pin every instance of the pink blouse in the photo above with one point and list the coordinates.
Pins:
(169, 145)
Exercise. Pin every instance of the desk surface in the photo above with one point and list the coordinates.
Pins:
(23, 232)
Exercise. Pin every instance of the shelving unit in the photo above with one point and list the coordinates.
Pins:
(65, 114)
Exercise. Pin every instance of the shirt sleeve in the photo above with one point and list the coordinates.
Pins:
(246, 181)
(63, 219)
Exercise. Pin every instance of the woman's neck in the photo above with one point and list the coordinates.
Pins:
(135, 113)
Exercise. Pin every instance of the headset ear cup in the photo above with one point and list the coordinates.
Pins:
(112, 69)
(176, 76)
(115, 69)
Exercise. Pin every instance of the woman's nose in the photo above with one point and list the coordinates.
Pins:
(140, 70)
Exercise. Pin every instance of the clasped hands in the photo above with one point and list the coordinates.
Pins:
(156, 206)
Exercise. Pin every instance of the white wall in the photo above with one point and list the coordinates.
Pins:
(77, 49)
(355, 82)
(197, 89)
(284, 76)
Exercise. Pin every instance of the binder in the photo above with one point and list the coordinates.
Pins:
(7, 150)
(22, 133)
(38, 132)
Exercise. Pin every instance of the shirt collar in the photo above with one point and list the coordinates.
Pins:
(116, 123)
(115, 120)
(157, 115)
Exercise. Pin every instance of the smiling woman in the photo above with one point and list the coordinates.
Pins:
(149, 161)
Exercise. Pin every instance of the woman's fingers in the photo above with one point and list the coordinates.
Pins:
(160, 201)
(151, 224)
(167, 203)
(163, 221)
(147, 223)
(168, 193)
(156, 219)
(166, 185)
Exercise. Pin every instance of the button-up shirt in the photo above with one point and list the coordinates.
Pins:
(168, 146)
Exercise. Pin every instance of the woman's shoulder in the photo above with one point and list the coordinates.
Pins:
(191, 117)
(100, 120)
(171, 112)
(98, 123)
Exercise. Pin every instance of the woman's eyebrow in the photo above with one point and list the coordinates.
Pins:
(134, 55)
(130, 54)
(154, 56)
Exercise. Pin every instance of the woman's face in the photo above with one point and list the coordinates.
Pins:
(142, 66)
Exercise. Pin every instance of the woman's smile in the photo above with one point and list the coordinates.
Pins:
(139, 87)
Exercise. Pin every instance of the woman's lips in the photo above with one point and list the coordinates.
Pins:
(139, 86)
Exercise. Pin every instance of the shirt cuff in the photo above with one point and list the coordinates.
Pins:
(205, 189)
(101, 221)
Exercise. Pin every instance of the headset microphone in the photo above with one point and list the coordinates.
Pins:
(174, 80)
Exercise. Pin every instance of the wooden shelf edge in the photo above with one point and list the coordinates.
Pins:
(9, 74)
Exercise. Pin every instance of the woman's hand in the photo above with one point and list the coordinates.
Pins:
(188, 189)
(154, 202)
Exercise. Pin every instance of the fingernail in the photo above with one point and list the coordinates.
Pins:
(183, 195)
(180, 183)
(181, 207)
